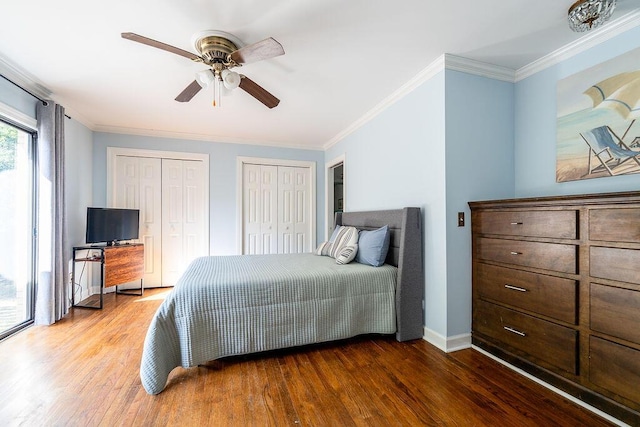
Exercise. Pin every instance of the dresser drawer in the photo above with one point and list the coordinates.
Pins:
(615, 225)
(615, 264)
(615, 311)
(547, 256)
(547, 295)
(545, 341)
(615, 367)
(552, 224)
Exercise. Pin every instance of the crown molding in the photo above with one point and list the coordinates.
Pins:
(199, 137)
(23, 79)
(34, 87)
(600, 35)
(426, 74)
(478, 68)
(446, 61)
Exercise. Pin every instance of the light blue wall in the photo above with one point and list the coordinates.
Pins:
(222, 177)
(396, 160)
(445, 143)
(479, 166)
(535, 126)
(78, 177)
(15, 97)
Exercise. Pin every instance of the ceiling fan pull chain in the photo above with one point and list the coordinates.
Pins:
(216, 91)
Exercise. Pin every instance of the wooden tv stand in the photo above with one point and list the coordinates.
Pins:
(119, 264)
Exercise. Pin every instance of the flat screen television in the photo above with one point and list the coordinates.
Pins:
(112, 225)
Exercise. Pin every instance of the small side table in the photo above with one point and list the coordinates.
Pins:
(118, 264)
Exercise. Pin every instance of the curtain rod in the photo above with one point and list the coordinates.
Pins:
(27, 91)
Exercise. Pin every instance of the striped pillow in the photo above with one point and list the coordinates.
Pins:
(347, 254)
(347, 236)
(324, 248)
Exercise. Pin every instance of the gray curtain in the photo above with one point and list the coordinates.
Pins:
(52, 287)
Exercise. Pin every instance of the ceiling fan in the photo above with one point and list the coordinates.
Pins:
(221, 52)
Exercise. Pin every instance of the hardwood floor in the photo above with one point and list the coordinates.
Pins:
(84, 371)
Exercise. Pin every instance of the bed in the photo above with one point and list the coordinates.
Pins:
(233, 305)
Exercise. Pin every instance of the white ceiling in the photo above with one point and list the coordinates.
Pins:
(342, 57)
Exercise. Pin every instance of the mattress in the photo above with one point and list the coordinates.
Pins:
(233, 305)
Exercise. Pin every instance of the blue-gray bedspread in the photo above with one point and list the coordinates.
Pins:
(233, 305)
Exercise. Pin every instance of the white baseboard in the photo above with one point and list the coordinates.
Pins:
(553, 389)
(447, 344)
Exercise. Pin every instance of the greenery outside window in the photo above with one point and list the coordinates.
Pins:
(17, 224)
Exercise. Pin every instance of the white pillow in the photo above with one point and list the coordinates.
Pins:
(324, 247)
(347, 254)
(346, 237)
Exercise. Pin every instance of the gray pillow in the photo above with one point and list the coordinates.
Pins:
(373, 246)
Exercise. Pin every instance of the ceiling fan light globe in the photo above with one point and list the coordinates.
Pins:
(204, 78)
(231, 79)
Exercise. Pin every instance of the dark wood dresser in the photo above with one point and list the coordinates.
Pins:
(556, 292)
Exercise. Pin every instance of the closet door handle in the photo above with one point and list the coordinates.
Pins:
(516, 253)
(515, 288)
(516, 223)
(515, 331)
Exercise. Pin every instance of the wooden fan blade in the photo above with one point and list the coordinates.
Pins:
(258, 92)
(265, 49)
(189, 92)
(159, 45)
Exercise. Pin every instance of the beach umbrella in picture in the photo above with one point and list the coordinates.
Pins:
(620, 93)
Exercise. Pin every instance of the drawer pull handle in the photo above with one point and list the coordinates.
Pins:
(522, 334)
(516, 253)
(515, 288)
(516, 223)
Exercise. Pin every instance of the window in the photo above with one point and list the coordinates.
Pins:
(17, 259)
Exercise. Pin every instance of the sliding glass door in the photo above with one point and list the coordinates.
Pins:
(16, 228)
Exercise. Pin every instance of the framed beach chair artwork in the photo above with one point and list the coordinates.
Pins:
(598, 131)
(613, 156)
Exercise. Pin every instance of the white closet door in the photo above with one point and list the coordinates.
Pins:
(193, 211)
(127, 183)
(172, 221)
(276, 209)
(137, 186)
(269, 209)
(294, 216)
(260, 209)
(183, 220)
(151, 219)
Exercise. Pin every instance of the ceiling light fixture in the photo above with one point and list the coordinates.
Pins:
(223, 82)
(231, 79)
(204, 78)
(221, 78)
(587, 14)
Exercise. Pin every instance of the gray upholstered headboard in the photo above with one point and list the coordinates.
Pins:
(405, 252)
